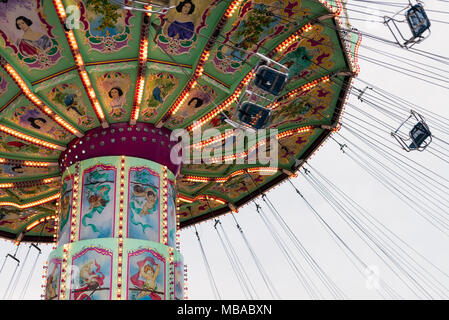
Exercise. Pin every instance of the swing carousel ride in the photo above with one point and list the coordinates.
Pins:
(90, 94)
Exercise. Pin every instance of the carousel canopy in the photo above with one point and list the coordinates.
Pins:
(71, 66)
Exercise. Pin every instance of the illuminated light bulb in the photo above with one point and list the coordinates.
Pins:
(30, 139)
(32, 97)
(79, 60)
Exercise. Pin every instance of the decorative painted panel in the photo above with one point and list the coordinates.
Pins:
(144, 204)
(146, 275)
(53, 284)
(92, 274)
(98, 202)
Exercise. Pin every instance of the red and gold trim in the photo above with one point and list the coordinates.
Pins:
(31, 139)
(64, 274)
(293, 38)
(192, 83)
(30, 204)
(171, 275)
(143, 58)
(225, 105)
(232, 8)
(36, 101)
(164, 206)
(80, 64)
(29, 183)
(38, 222)
(74, 222)
(201, 197)
(120, 227)
(262, 170)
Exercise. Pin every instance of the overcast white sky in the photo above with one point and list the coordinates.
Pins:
(340, 169)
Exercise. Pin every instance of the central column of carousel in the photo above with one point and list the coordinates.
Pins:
(118, 229)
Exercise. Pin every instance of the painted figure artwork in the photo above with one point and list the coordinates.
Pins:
(179, 280)
(13, 170)
(98, 202)
(143, 202)
(117, 101)
(66, 211)
(115, 87)
(24, 29)
(158, 87)
(53, 279)
(91, 275)
(9, 144)
(17, 170)
(30, 117)
(146, 275)
(179, 30)
(171, 204)
(107, 27)
(31, 42)
(258, 23)
(246, 36)
(69, 97)
(183, 28)
(199, 98)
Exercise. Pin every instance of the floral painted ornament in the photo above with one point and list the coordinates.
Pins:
(107, 27)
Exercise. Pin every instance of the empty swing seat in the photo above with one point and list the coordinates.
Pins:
(270, 80)
(419, 134)
(254, 115)
(417, 20)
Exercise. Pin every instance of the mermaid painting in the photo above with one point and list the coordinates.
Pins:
(145, 279)
(92, 280)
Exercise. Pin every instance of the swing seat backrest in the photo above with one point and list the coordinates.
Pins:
(254, 115)
(418, 135)
(270, 80)
(417, 20)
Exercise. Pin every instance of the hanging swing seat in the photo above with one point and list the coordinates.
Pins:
(418, 138)
(253, 115)
(270, 76)
(13, 257)
(265, 87)
(418, 23)
(419, 135)
(270, 80)
(417, 20)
